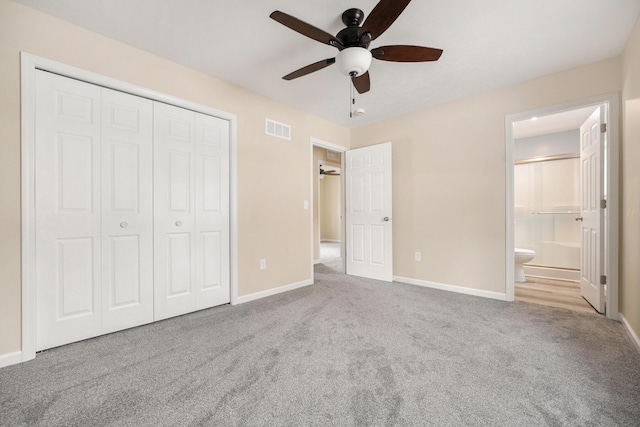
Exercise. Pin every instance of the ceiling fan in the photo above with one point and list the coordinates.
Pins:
(328, 172)
(353, 42)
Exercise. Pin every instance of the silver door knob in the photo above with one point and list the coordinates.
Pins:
(578, 218)
(178, 223)
(124, 225)
(386, 218)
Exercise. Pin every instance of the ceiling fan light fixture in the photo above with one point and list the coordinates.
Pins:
(353, 61)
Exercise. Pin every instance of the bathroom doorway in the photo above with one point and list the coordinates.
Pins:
(546, 201)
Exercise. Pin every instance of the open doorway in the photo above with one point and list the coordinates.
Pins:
(328, 243)
(329, 216)
(562, 206)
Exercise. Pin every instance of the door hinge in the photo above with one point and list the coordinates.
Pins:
(603, 127)
(603, 204)
(603, 280)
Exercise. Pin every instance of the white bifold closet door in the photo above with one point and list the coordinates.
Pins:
(191, 198)
(93, 210)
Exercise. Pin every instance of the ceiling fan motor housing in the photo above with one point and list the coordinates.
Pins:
(350, 36)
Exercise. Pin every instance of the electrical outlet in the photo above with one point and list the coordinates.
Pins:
(418, 256)
(306, 205)
(263, 264)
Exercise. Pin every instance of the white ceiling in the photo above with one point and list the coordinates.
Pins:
(487, 44)
(558, 122)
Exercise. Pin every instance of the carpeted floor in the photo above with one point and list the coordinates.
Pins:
(345, 351)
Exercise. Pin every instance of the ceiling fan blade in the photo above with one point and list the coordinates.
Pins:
(406, 53)
(362, 83)
(310, 69)
(382, 16)
(306, 29)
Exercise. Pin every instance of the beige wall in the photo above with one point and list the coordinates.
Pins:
(630, 178)
(330, 208)
(449, 175)
(264, 210)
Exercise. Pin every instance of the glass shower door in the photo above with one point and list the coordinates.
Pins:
(546, 205)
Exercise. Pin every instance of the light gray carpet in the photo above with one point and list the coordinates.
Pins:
(344, 352)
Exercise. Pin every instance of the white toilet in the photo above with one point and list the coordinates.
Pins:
(522, 256)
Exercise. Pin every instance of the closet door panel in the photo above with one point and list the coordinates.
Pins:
(212, 211)
(123, 288)
(174, 211)
(67, 210)
(74, 258)
(179, 265)
(127, 210)
(211, 258)
(179, 183)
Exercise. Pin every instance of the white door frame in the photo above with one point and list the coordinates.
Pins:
(612, 191)
(29, 65)
(340, 149)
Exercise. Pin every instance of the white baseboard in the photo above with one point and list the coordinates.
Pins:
(551, 273)
(329, 241)
(452, 288)
(274, 291)
(632, 334)
(10, 359)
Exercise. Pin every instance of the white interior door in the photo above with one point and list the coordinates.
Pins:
(127, 210)
(191, 193)
(67, 211)
(368, 212)
(592, 144)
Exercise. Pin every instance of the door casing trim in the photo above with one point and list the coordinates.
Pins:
(339, 148)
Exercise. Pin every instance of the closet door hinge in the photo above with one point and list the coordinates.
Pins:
(603, 280)
(603, 204)
(603, 127)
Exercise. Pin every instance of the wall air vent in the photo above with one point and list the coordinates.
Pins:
(277, 129)
(333, 155)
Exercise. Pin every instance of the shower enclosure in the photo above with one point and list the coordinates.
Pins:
(547, 203)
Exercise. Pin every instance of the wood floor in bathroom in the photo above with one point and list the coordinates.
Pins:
(556, 293)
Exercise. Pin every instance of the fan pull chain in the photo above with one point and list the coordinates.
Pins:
(352, 98)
